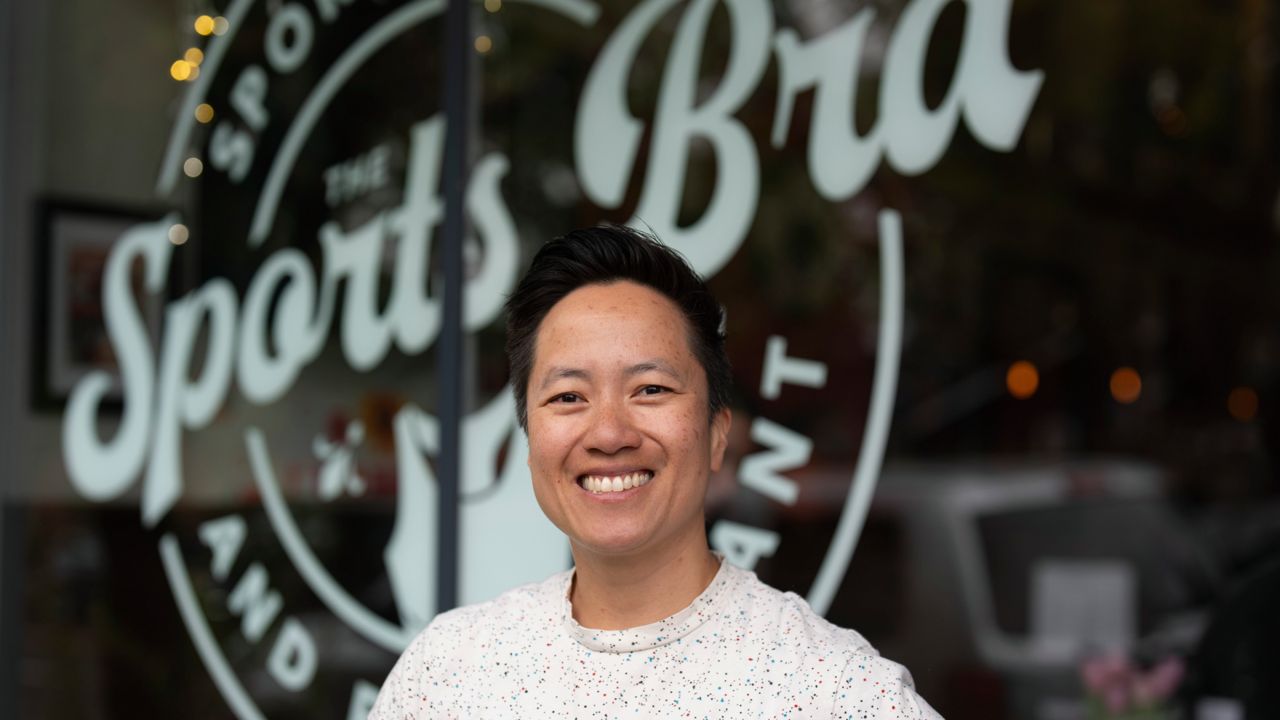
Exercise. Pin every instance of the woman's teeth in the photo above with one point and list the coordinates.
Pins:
(615, 483)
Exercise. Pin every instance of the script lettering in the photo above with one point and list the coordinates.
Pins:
(282, 326)
(101, 471)
(986, 90)
(609, 137)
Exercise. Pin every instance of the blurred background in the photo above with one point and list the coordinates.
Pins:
(1003, 298)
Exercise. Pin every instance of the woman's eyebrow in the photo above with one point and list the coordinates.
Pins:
(653, 366)
(556, 372)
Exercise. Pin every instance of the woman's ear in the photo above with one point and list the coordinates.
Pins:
(720, 424)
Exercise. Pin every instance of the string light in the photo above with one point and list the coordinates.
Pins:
(192, 167)
(204, 113)
(493, 6)
(1022, 379)
(204, 25)
(180, 70)
(220, 25)
(178, 233)
(484, 44)
(1242, 403)
(1126, 385)
(194, 55)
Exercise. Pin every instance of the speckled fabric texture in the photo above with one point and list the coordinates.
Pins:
(741, 650)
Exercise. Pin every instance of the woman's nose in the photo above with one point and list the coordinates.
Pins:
(612, 429)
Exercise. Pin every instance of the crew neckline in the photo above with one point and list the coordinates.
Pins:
(655, 634)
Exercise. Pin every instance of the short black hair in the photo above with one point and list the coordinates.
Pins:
(599, 256)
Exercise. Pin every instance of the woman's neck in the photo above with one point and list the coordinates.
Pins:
(620, 592)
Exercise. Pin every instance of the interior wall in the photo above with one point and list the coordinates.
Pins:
(21, 133)
(25, 136)
(61, 78)
(68, 80)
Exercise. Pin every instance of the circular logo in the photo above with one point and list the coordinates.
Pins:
(292, 388)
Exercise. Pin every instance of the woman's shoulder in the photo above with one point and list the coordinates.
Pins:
(786, 614)
(515, 607)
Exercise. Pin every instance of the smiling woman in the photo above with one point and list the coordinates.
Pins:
(620, 377)
(633, 402)
(1001, 281)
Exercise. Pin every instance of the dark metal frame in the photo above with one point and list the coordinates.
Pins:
(457, 45)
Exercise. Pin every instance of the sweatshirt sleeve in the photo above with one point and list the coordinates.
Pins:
(873, 687)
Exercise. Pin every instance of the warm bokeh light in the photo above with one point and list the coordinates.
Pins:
(493, 6)
(204, 25)
(204, 112)
(1242, 403)
(1126, 385)
(195, 73)
(1022, 379)
(194, 55)
(192, 167)
(484, 44)
(178, 233)
(180, 70)
(220, 25)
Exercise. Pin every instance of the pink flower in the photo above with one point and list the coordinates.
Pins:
(1164, 677)
(1159, 683)
(1144, 691)
(1101, 672)
(1120, 685)
(1116, 698)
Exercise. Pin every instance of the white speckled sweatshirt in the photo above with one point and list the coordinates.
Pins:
(741, 649)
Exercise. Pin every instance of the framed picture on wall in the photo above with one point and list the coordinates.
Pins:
(69, 335)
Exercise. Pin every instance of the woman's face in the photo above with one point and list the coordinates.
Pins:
(620, 446)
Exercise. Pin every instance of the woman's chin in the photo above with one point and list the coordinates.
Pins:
(610, 544)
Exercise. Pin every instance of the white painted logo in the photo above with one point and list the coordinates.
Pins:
(261, 341)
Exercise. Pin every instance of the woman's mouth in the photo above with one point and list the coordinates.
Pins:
(600, 484)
